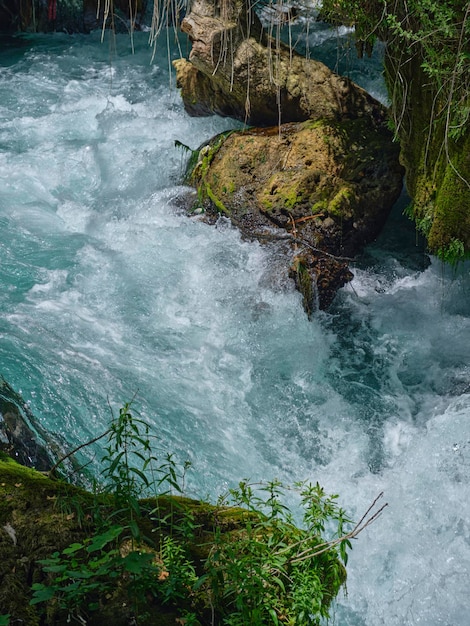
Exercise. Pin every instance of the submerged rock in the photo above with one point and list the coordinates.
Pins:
(323, 189)
(18, 436)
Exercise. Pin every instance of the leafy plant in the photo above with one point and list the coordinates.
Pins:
(85, 572)
(128, 454)
(266, 570)
(270, 571)
(427, 65)
(80, 571)
(454, 253)
(179, 575)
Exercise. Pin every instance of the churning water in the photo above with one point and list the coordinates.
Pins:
(108, 289)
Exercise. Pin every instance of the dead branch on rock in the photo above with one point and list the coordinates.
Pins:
(363, 523)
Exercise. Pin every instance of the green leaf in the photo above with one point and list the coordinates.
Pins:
(55, 569)
(137, 562)
(54, 558)
(41, 593)
(200, 581)
(135, 506)
(100, 541)
(140, 474)
(278, 581)
(73, 547)
(139, 455)
(135, 530)
(178, 144)
(81, 574)
(115, 462)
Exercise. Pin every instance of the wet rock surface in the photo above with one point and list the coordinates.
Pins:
(321, 170)
(18, 438)
(321, 189)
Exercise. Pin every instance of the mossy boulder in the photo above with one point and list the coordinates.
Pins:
(437, 160)
(32, 526)
(426, 68)
(451, 210)
(323, 188)
(40, 516)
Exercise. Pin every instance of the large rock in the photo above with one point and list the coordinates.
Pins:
(323, 189)
(235, 70)
(40, 517)
(323, 182)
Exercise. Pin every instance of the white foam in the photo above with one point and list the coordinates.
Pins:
(115, 291)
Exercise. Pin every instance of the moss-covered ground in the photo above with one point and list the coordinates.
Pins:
(41, 516)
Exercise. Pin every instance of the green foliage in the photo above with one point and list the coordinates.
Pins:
(118, 555)
(353, 13)
(80, 571)
(438, 31)
(271, 571)
(128, 454)
(198, 168)
(423, 223)
(264, 571)
(454, 253)
(179, 575)
(428, 75)
(4, 620)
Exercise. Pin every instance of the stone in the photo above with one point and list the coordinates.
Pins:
(322, 189)
(19, 438)
(236, 70)
(321, 175)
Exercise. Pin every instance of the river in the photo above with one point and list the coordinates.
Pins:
(109, 291)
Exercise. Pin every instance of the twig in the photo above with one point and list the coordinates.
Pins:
(322, 252)
(69, 454)
(306, 218)
(289, 237)
(327, 545)
(360, 526)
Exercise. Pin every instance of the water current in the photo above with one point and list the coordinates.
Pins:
(107, 289)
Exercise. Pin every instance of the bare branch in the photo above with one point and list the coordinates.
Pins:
(327, 545)
(75, 450)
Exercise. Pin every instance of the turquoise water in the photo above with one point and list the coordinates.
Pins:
(108, 290)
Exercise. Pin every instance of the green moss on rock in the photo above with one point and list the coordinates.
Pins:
(40, 516)
(451, 221)
(330, 184)
(342, 204)
(435, 155)
(32, 526)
